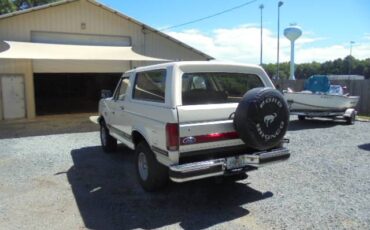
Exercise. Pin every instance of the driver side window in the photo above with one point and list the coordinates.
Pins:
(122, 90)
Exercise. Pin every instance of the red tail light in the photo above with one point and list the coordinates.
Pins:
(172, 136)
(210, 138)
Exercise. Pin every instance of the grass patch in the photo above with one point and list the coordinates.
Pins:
(364, 117)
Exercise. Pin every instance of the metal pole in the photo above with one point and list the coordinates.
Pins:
(350, 49)
(261, 7)
(280, 3)
(291, 77)
(350, 57)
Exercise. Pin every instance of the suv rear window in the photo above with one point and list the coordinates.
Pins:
(216, 88)
(150, 86)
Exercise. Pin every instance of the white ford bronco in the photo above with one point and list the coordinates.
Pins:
(192, 120)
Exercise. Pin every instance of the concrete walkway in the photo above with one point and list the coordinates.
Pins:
(47, 125)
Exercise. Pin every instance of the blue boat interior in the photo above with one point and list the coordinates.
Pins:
(317, 84)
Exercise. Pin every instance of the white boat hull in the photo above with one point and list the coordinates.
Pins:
(299, 101)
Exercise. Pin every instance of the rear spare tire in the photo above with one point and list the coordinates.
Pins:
(261, 118)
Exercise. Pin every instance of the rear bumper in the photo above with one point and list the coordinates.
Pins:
(224, 166)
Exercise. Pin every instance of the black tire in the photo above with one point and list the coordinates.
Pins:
(351, 120)
(261, 118)
(108, 143)
(157, 174)
(301, 117)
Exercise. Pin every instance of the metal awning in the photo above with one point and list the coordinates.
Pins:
(46, 51)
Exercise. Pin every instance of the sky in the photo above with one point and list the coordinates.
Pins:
(328, 27)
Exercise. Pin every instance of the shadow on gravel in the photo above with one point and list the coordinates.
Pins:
(365, 147)
(109, 197)
(296, 125)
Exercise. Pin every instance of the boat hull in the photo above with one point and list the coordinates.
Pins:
(319, 102)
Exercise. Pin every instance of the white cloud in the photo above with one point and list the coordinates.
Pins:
(242, 44)
(366, 36)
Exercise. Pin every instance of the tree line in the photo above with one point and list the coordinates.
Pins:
(8, 6)
(348, 65)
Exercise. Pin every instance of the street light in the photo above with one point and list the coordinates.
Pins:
(350, 57)
(350, 47)
(261, 8)
(280, 3)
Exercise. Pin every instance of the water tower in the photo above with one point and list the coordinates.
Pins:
(293, 32)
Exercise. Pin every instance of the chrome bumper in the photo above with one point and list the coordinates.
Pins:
(228, 165)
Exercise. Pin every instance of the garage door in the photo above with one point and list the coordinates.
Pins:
(56, 66)
(61, 93)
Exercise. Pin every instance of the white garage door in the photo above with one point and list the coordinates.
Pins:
(13, 97)
(68, 66)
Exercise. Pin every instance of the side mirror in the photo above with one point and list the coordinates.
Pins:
(105, 93)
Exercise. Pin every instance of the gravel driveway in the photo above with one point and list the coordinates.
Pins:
(65, 181)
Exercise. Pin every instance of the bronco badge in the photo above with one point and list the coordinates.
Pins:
(269, 119)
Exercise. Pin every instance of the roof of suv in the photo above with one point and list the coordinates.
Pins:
(193, 63)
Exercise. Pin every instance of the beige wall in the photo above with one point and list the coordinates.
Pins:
(67, 18)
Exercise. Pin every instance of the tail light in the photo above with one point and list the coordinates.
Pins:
(172, 136)
(210, 138)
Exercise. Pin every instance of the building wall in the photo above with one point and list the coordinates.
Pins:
(82, 17)
(67, 18)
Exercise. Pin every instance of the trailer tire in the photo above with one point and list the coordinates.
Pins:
(301, 117)
(351, 119)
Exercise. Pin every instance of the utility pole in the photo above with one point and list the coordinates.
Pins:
(261, 8)
(350, 57)
(280, 3)
(350, 47)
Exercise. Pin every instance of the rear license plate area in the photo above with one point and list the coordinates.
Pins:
(240, 161)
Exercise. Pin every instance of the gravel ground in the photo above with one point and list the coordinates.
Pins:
(65, 181)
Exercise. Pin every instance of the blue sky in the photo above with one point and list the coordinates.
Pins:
(328, 27)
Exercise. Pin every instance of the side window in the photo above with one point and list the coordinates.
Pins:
(122, 90)
(150, 86)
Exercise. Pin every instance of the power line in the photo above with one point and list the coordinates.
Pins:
(210, 16)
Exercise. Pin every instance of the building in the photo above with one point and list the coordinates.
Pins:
(56, 58)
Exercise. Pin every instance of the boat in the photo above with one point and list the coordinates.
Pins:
(307, 101)
(320, 99)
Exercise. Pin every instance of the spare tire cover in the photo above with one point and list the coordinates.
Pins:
(261, 118)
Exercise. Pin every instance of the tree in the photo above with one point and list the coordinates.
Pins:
(338, 66)
(8, 6)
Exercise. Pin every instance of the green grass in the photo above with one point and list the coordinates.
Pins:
(364, 117)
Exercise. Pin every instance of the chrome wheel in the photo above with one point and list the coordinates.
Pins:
(143, 166)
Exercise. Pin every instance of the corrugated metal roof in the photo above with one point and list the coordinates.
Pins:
(144, 26)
